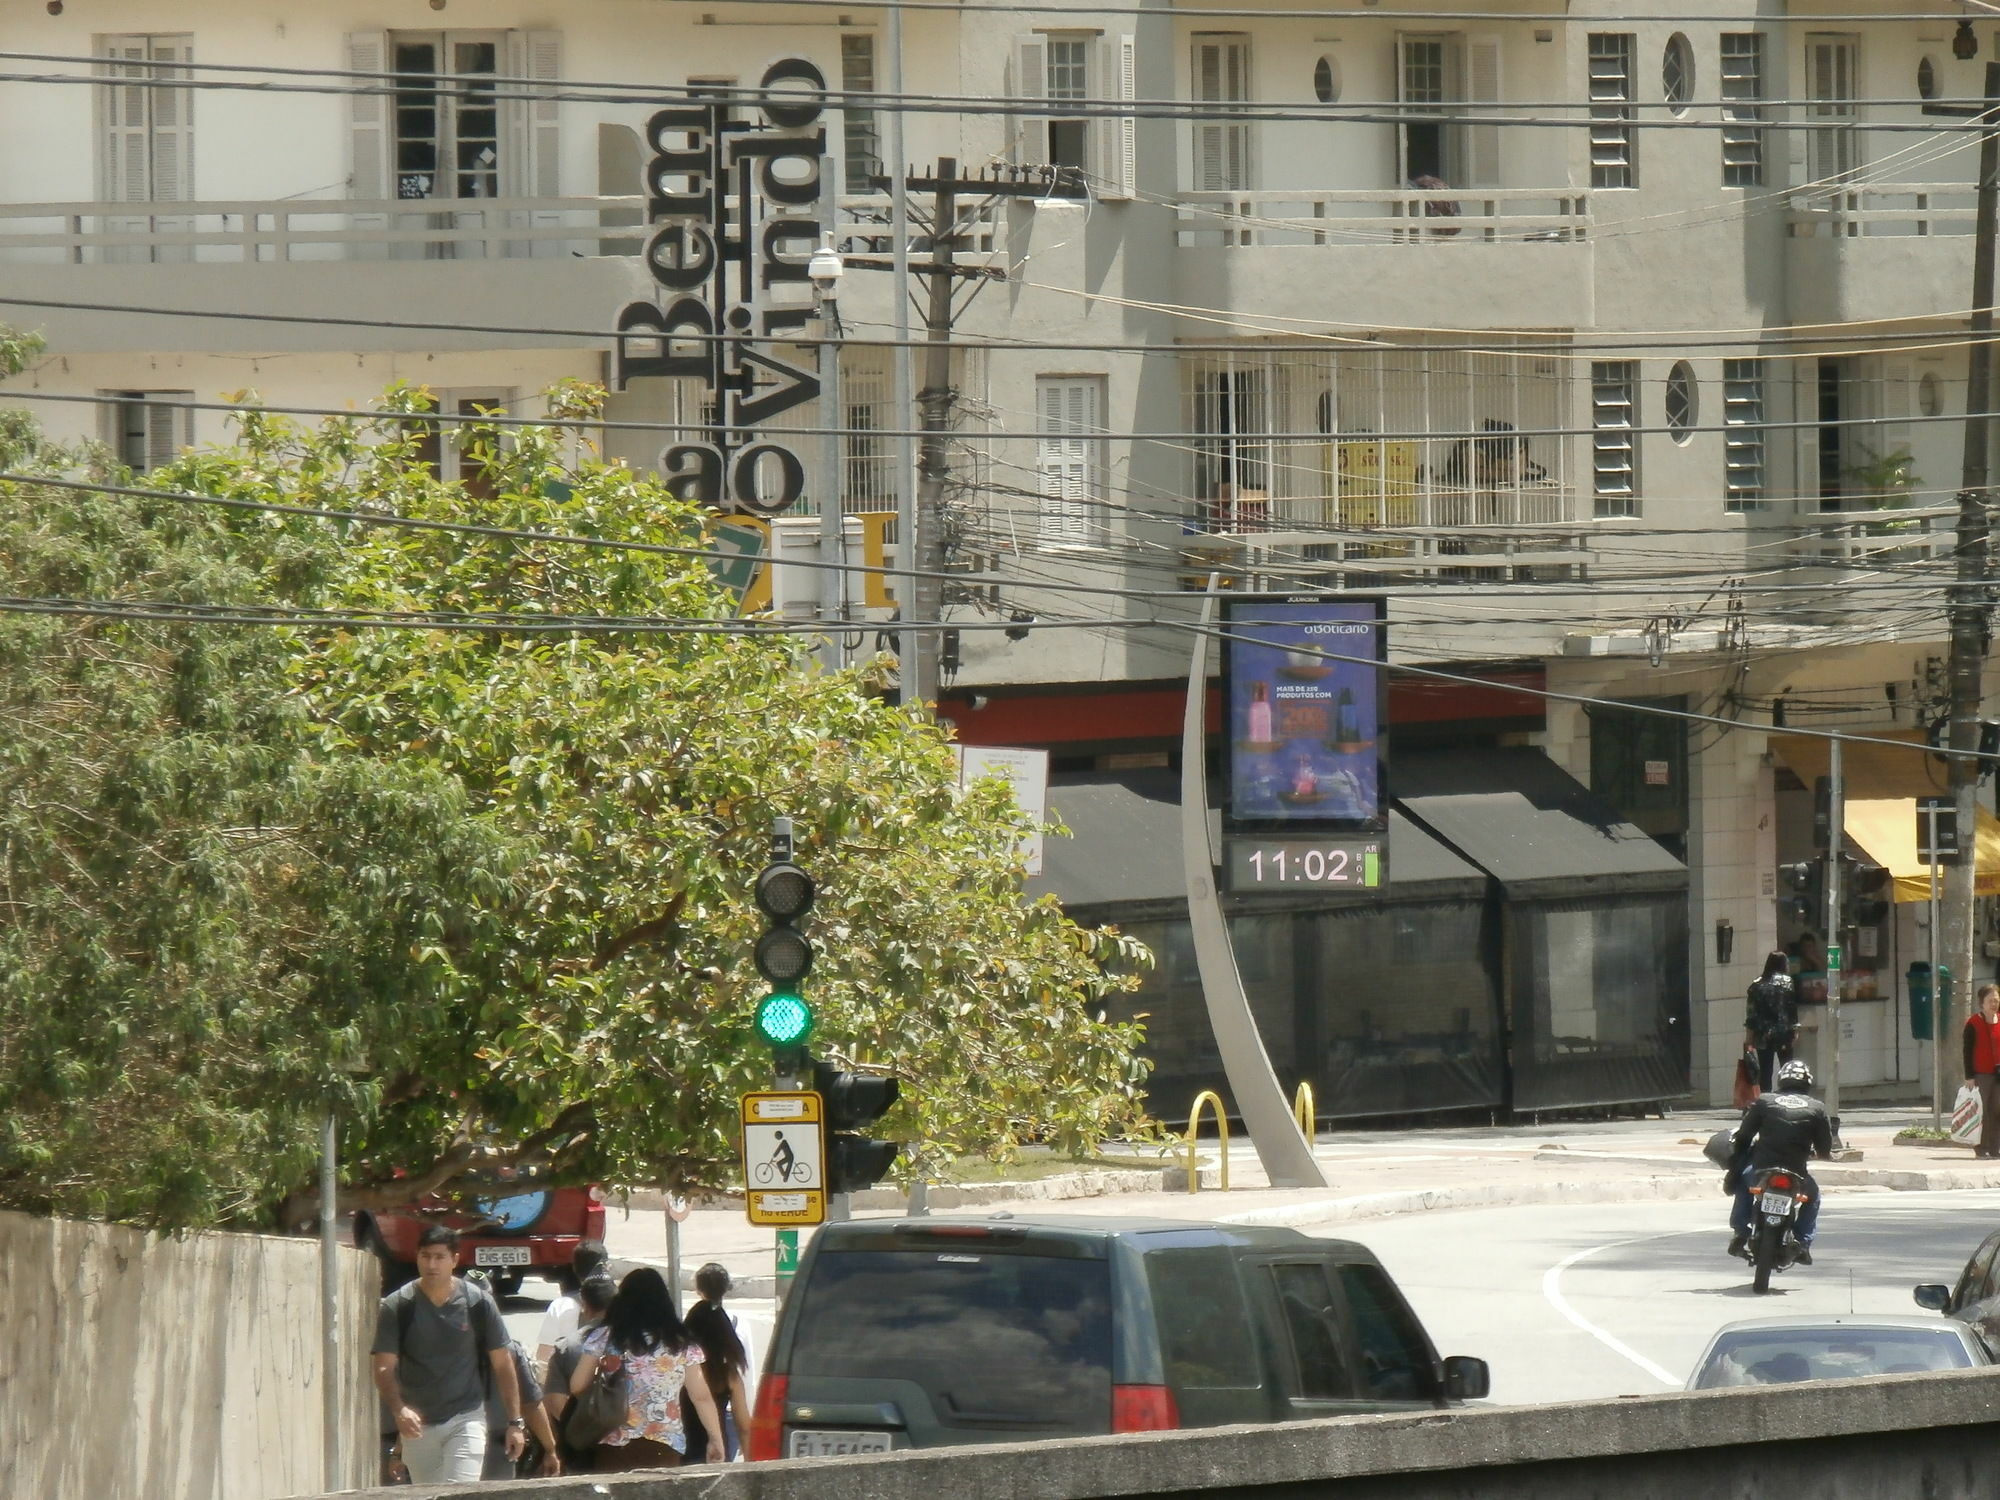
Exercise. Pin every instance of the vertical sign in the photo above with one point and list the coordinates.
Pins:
(1027, 772)
(734, 190)
(784, 1158)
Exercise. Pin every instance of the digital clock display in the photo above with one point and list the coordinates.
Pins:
(1292, 864)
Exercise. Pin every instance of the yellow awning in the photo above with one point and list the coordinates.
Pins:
(1868, 772)
(1886, 829)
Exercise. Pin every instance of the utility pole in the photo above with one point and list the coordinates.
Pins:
(934, 401)
(1830, 1054)
(1967, 610)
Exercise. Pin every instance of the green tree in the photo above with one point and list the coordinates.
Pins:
(484, 888)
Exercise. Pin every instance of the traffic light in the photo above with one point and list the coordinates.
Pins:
(1802, 891)
(1862, 902)
(784, 954)
(849, 1101)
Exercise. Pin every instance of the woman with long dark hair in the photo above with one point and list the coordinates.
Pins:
(724, 1363)
(643, 1332)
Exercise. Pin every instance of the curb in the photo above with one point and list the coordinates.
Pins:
(1098, 1182)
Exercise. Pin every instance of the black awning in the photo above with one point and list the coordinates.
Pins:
(1127, 847)
(1527, 822)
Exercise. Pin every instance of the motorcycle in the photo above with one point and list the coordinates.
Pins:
(1777, 1198)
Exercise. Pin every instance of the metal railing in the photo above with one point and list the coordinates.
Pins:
(1304, 1110)
(1452, 216)
(1871, 538)
(1273, 561)
(1207, 1097)
(1878, 209)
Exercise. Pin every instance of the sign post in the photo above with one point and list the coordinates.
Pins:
(784, 1159)
(1937, 841)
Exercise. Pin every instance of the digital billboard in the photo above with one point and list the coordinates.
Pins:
(1305, 689)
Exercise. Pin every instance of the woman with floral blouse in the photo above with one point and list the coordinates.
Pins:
(642, 1331)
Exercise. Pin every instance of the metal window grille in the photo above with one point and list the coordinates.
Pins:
(1614, 450)
(860, 131)
(1611, 153)
(1743, 433)
(1742, 95)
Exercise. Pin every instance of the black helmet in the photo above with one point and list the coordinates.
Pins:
(1794, 1077)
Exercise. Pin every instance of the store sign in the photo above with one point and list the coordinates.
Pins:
(734, 189)
(1305, 692)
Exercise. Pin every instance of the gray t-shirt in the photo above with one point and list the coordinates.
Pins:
(440, 1351)
(563, 1360)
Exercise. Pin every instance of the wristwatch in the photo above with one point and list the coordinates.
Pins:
(520, 1422)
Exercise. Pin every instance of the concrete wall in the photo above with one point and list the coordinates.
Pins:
(1923, 1436)
(139, 1367)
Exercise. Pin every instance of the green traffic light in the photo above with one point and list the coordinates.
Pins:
(783, 1020)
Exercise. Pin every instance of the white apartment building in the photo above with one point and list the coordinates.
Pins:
(1623, 353)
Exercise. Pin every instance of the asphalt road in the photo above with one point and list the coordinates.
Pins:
(1569, 1303)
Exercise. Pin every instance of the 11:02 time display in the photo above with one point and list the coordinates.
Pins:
(1266, 864)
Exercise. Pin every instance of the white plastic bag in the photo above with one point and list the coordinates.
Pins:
(1965, 1113)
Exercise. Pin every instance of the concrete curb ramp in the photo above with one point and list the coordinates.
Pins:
(1888, 1438)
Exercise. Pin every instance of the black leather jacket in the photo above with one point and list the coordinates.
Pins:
(1784, 1130)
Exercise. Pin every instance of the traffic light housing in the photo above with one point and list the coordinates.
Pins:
(1863, 899)
(784, 954)
(1803, 891)
(849, 1101)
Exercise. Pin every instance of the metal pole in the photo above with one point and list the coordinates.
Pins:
(1837, 810)
(1967, 611)
(907, 519)
(934, 463)
(1937, 985)
(329, 1289)
(673, 1254)
(832, 505)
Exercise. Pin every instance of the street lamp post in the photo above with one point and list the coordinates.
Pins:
(825, 269)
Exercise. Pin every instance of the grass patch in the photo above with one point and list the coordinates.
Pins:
(1034, 1165)
(1922, 1135)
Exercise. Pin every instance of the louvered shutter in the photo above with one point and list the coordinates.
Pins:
(1221, 75)
(368, 117)
(1030, 81)
(1068, 414)
(1482, 135)
(531, 166)
(172, 142)
(1113, 138)
(163, 433)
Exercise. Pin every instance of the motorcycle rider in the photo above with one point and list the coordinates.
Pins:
(1783, 1129)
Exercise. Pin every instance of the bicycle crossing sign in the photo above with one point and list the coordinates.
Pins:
(784, 1158)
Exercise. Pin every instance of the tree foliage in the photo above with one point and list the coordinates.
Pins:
(485, 891)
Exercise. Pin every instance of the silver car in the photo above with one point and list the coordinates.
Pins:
(1815, 1346)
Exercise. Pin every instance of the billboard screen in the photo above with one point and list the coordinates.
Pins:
(1306, 696)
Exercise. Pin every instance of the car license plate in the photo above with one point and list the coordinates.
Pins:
(828, 1444)
(500, 1255)
(1775, 1203)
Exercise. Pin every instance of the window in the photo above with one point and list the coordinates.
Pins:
(1614, 453)
(1742, 89)
(1326, 81)
(145, 432)
(1677, 73)
(860, 133)
(147, 137)
(1312, 1327)
(1198, 1307)
(1930, 396)
(1395, 1361)
(1434, 73)
(1681, 401)
(1743, 433)
(1611, 153)
(1220, 71)
(1833, 67)
(446, 448)
(1926, 79)
(1095, 155)
(1068, 460)
(1232, 468)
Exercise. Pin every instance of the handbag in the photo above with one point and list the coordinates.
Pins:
(1748, 1075)
(1721, 1149)
(603, 1407)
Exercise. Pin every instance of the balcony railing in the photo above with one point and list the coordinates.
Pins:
(326, 229)
(1454, 216)
(1859, 539)
(1880, 209)
(1274, 561)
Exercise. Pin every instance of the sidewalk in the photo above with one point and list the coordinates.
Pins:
(1374, 1174)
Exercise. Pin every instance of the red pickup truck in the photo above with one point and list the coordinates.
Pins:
(507, 1235)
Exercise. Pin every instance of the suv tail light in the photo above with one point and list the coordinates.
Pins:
(1141, 1408)
(767, 1421)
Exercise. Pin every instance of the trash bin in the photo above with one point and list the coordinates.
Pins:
(1917, 980)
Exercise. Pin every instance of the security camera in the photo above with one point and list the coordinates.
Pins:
(825, 268)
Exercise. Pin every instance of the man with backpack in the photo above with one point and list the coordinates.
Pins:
(436, 1340)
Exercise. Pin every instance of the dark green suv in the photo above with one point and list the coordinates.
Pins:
(917, 1333)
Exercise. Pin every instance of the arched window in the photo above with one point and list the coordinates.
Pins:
(1681, 401)
(1677, 73)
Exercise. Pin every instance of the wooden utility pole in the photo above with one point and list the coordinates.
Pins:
(1967, 608)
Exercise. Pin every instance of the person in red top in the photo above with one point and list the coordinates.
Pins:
(1981, 1040)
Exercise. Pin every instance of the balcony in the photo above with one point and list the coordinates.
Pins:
(1905, 538)
(1270, 561)
(1411, 258)
(1860, 252)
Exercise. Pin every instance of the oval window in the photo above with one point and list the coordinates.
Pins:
(1677, 73)
(1326, 81)
(1929, 400)
(1680, 401)
(1926, 79)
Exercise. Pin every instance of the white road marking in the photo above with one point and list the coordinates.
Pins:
(1552, 1290)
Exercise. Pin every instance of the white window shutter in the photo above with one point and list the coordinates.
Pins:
(123, 172)
(1482, 135)
(163, 443)
(545, 112)
(1030, 80)
(1067, 412)
(1113, 138)
(172, 124)
(369, 144)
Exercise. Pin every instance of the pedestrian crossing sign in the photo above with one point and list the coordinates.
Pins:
(784, 1158)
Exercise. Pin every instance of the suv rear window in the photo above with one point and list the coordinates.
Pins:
(999, 1340)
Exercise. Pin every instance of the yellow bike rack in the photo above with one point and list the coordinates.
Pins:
(1210, 1097)
(1305, 1111)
